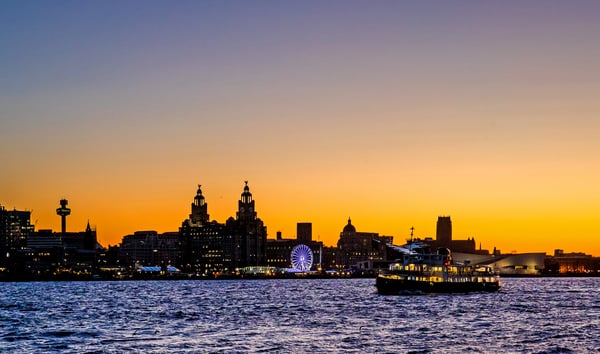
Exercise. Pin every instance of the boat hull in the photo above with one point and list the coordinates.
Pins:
(399, 286)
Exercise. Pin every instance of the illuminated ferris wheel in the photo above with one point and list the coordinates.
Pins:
(302, 257)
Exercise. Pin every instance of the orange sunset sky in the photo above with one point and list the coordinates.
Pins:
(388, 112)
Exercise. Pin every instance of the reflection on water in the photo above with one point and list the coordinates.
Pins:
(304, 315)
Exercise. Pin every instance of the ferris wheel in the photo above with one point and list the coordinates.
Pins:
(302, 257)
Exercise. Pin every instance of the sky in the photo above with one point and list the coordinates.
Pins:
(391, 113)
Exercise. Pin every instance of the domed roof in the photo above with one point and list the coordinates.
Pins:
(199, 193)
(246, 189)
(349, 228)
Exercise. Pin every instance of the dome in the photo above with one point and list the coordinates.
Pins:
(349, 228)
(246, 195)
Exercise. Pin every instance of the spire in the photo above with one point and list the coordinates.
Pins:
(89, 240)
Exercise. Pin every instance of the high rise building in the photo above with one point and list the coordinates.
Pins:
(15, 227)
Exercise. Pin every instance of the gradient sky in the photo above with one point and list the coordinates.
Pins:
(388, 112)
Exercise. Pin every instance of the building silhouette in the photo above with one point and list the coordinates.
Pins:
(208, 247)
(443, 238)
(149, 248)
(443, 231)
(248, 233)
(15, 228)
(304, 231)
(204, 246)
(27, 253)
(279, 250)
(63, 212)
(357, 247)
(573, 263)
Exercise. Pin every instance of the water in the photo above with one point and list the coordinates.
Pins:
(545, 315)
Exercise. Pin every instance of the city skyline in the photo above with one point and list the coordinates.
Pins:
(275, 235)
(389, 113)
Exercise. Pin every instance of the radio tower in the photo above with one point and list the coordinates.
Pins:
(63, 211)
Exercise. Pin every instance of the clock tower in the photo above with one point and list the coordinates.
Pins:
(248, 232)
(246, 211)
(199, 213)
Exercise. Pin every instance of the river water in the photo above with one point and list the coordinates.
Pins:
(541, 315)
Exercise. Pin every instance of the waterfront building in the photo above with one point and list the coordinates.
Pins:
(204, 246)
(329, 258)
(443, 231)
(79, 249)
(28, 253)
(531, 263)
(248, 233)
(573, 263)
(44, 253)
(149, 248)
(15, 227)
(443, 238)
(355, 247)
(279, 250)
(211, 247)
(304, 231)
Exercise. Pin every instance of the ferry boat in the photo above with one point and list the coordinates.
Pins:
(424, 273)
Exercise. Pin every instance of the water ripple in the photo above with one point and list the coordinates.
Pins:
(545, 315)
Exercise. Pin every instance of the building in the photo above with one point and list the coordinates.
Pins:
(506, 264)
(211, 247)
(149, 248)
(248, 233)
(573, 263)
(279, 250)
(443, 232)
(15, 228)
(204, 247)
(31, 254)
(44, 254)
(304, 231)
(443, 238)
(354, 247)
(329, 258)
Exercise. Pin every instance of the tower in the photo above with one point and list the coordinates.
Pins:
(443, 234)
(63, 211)
(304, 231)
(246, 211)
(199, 213)
(89, 238)
(248, 232)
